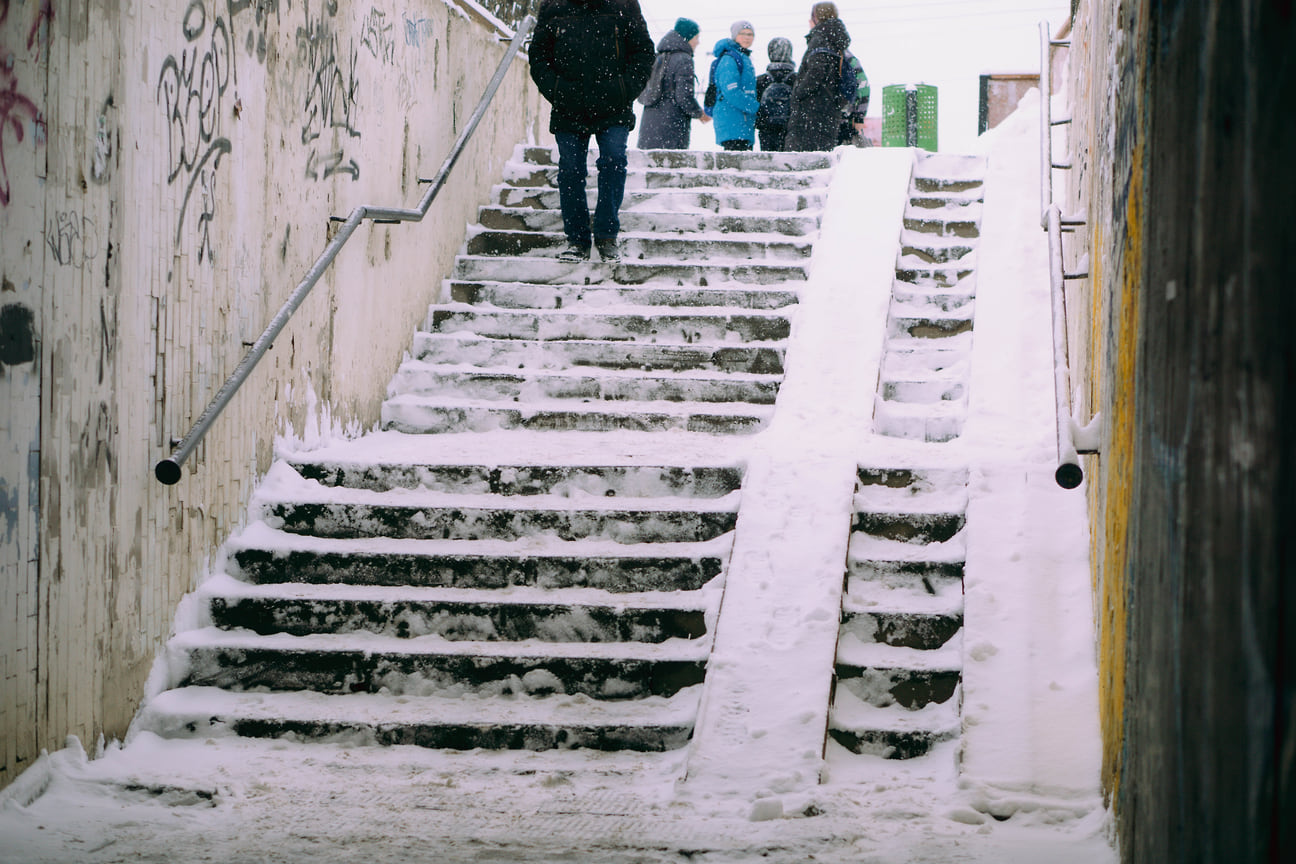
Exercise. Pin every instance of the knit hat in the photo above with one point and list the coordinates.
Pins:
(739, 26)
(780, 50)
(686, 28)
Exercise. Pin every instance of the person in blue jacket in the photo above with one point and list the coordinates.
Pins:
(734, 112)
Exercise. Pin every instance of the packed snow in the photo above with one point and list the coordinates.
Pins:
(1019, 784)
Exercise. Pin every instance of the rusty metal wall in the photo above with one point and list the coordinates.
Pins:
(168, 174)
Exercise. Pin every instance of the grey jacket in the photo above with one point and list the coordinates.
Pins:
(667, 121)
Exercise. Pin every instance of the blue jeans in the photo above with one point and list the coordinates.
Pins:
(573, 151)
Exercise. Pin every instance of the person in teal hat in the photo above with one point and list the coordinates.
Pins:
(670, 105)
(734, 111)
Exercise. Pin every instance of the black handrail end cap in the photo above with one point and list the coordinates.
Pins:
(1068, 475)
(167, 471)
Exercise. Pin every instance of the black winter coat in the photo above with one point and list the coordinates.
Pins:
(668, 121)
(816, 99)
(590, 59)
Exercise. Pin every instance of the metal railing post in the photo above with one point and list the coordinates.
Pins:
(167, 470)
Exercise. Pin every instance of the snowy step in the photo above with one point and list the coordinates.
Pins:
(464, 723)
(527, 175)
(946, 389)
(438, 516)
(952, 166)
(931, 323)
(458, 348)
(931, 566)
(947, 299)
(932, 249)
(636, 222)
(915, 271)
(908, 526)
(935, 422)
(747, 202)
(481, 615)
(695, 159)
(946, 185)
(265, 556)
(645, 246)
(884, 674)
(892, 487)
(630, 271)
(654, 325)
(610, 480)
(944, 223)
(892, 732)
(356, 663)
(930, 361)
(424, 379)
(441, 415)
(520, 295)
(863, 596)
(901, 628)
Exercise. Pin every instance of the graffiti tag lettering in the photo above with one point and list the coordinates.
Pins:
(15, 110)
(72, 239)
(377, 36)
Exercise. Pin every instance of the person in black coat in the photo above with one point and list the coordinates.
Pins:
(816, 99)
(590, 59)
(670, 106)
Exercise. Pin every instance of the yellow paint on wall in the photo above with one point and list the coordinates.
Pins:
(1119, 478)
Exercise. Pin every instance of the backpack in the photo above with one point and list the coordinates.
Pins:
(709, 98)
(847, 82)
(652, 92)
(858, 101)
(775, 105)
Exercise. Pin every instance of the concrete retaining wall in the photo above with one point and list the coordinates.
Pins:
(167, 173)
(1181, 142)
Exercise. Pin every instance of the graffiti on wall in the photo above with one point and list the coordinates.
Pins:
(72, 238)
(16, 108)
(417, 31)
(192, 91)
(377, 36)
(329, 106)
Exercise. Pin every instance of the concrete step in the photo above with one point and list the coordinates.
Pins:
(519, 295)
(638, 247)
(908, 526)
(882, 674)
(963, 223)
(923, 390)
(929, 323)
(529, 175)
(625, 324)
(757, 359)
(747, 202)
(456, 614)
(423, 379)
(537, 723)
(266, 556)
(625, 481)
(637, 222)
(935, 422)
(915, 271)
(933, 249)
(902, 628)
(349, 663)
(891, 732)
(546, 270)
(440, 415)
(703, 160)
(949, 299)
(427, 515)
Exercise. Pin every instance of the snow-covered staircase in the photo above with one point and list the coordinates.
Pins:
(899, 652)
(688, 331)
(517, 596)
(922, 393)
(899, 655)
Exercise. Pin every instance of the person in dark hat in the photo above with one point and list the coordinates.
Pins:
(670, 106)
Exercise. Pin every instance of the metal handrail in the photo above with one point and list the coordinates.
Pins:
(168, 470)
(1068, 474)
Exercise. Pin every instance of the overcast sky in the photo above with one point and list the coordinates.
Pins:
(947, 43)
